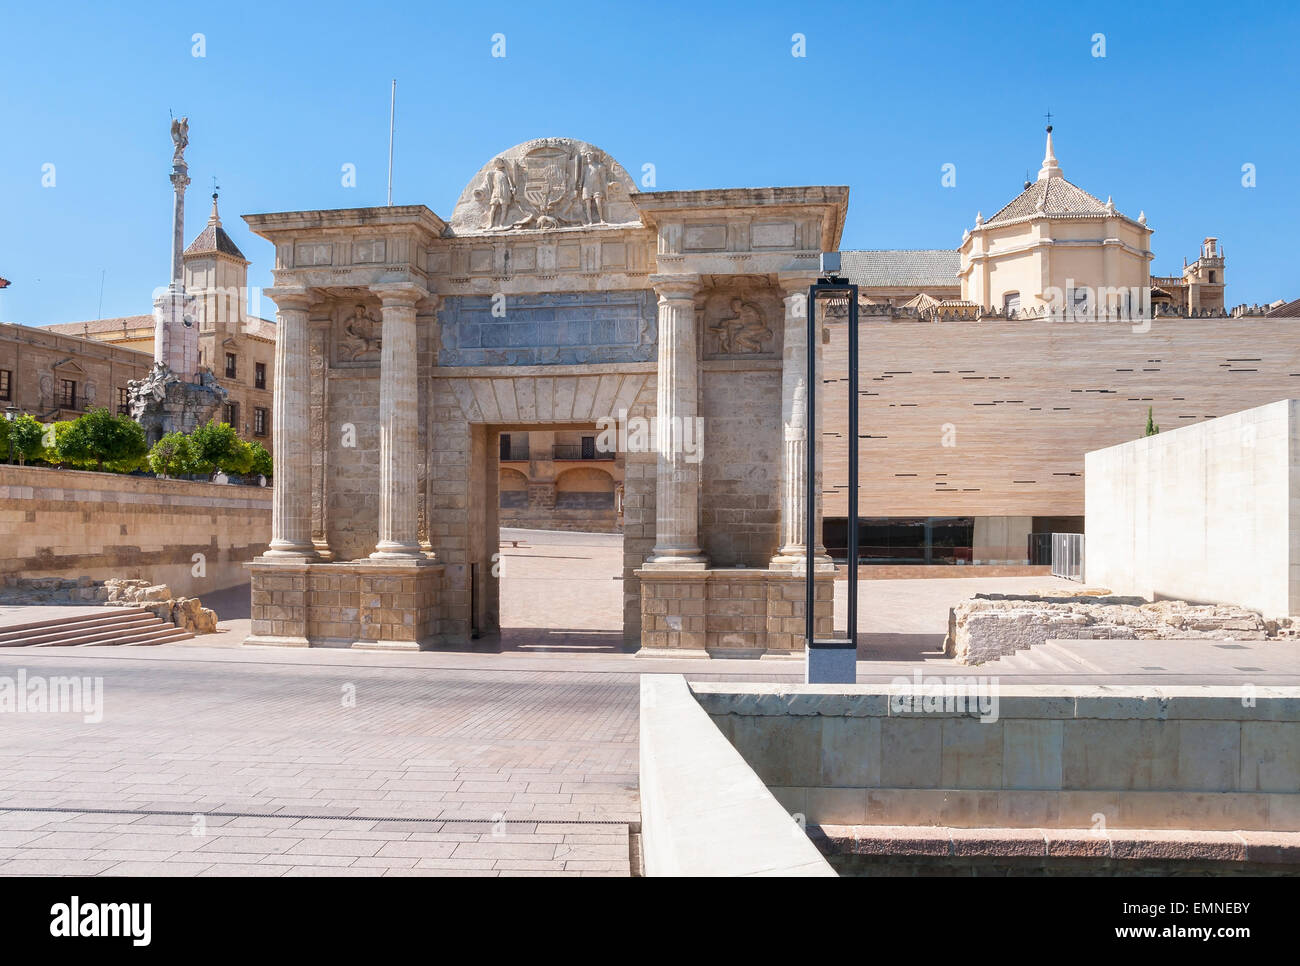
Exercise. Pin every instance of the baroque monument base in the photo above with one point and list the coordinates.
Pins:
(729, 612)
(366, 604)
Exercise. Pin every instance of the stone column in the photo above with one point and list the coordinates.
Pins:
(677, 484)
(399, 409)
(794, 423)
(291, 427)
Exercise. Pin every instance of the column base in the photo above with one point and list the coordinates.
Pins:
(792, 559)
(398, 551)
(696, 561)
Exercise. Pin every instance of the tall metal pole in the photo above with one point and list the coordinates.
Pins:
(810, 476)
(392, 117)
(832, 661)
(853, 467)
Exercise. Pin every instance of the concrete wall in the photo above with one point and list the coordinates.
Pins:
(1208, 513)
(703, 810)
(1055, 756)
(71, 523)
(994, 418)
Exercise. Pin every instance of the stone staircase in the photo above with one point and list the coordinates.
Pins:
(1049, 657)
(116, 626)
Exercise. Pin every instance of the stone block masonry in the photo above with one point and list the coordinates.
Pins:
(362, 604)
(70, 523)
(728, 613)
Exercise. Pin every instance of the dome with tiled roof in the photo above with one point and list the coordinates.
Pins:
(213, 238)
(1052, 196)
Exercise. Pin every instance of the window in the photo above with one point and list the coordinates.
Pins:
(1213, 278)
(1010, 303)
(1078, 303)
(589, 447)
(259, 375)
(259, 421)
(231, 414)
(232, 366)
(123, 402)
(6, 384)
(505, 446)
(67, 393)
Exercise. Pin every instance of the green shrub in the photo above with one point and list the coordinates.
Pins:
(100, 437)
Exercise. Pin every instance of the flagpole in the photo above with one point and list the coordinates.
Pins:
(392, 116)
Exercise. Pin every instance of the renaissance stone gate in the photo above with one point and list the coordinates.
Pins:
(557, 294)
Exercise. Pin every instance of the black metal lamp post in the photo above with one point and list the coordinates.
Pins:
(832, 661)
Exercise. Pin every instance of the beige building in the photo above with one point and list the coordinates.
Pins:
(976, 411)
(560, 480)
(55, 376)
(237, 348)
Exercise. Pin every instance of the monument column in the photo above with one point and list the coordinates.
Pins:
(794, 423)
(677, 484)
(291, 426)
(399, 408)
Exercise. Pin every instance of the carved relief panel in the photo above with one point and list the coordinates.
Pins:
(358, 330)
(740, 322)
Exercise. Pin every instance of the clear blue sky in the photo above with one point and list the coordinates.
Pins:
(708, 92)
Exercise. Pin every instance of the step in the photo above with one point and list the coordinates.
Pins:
(108, 637)
(163, 634)
(108, 614)
(85, 632)
(1054, 660)
(1069, 655)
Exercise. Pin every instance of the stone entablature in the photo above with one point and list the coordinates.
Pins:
(407, 344)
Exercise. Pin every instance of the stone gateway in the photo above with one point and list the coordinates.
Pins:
(556, 296)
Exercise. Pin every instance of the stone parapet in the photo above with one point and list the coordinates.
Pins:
(361, 604)
(731, 612)
(1044, 756)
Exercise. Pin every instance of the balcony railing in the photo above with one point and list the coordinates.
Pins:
(577, 451)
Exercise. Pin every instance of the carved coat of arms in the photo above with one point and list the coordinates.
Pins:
(552, 186)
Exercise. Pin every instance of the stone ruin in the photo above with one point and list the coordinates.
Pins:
(990, 626)
(187, 613)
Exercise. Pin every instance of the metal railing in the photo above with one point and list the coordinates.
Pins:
(1067, 555)
(575, 451)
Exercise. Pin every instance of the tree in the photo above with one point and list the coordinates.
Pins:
(171, 455)
(218, 446)
(26, 432)
(1152, 428)
(100, 437)
(261, 460)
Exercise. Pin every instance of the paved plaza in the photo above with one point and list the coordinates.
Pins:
(518, 756)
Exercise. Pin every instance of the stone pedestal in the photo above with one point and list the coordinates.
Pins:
(367, 604)
(731, 612)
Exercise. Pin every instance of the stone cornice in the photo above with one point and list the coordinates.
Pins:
(271, 223)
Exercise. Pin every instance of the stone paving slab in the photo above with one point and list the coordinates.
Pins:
(212, 767)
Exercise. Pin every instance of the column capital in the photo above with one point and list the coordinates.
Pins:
(400, 294)
(286, 297)
(675, 286)
(796, 283)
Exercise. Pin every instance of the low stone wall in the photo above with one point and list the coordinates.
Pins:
(1048, 757)
(703, 810)
(729, 612)
(71, 523)
(994, 625)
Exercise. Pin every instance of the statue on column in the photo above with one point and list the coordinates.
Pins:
(180, 137)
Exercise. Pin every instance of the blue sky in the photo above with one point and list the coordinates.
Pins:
(708, 92)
